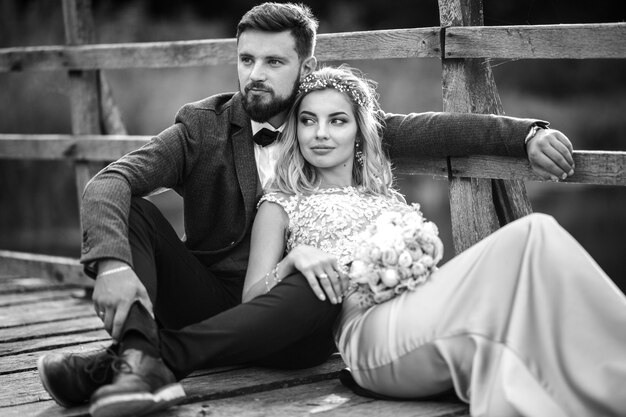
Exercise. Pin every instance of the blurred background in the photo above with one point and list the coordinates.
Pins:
(584, 98)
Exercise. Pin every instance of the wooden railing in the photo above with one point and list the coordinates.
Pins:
(485, 191)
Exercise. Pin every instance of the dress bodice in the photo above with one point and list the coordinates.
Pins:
(331, 219)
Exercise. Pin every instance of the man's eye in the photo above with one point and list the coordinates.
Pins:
(275, 62)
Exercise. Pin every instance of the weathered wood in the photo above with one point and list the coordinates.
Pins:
(28, 361)
(591, 167)
(68, 147)
(84, 85)
(13, 299)
(381, 44)
(46, 312)
(328, 398)
(57, 268)
(604, 40)
(20, 284)
(468, 86)
(28, 331)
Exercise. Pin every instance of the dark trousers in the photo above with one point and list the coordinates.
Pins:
(200, 320)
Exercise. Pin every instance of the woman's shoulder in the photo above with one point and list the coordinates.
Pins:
(277, 197)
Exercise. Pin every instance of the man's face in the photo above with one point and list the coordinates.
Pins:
(269, 71)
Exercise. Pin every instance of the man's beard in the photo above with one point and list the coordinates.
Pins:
(261, 111)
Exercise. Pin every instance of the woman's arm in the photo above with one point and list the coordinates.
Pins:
(267, 246)
(266, 265)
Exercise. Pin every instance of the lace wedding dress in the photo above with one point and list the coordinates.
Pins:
(524, 323)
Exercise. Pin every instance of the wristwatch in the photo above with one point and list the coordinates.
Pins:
(534, 128)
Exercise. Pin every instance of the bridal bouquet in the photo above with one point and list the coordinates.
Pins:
(396, 253)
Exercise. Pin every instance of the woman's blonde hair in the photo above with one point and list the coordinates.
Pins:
(294, 175)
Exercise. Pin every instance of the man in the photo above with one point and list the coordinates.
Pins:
(173, 307)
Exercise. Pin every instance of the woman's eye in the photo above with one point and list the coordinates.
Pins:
(338, 121)
(306, 121)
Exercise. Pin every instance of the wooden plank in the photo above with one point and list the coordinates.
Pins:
(435, 167)
(27, 361)
(58, 268)
(603, 40)
(468, 86)
(592, 167)
(22, 284)
(53, 342)
(328, 398)
(381, 44)
(45, 312)
(84, 85)
(12, 299)
(198, 388)
(103, 148)
(85, 323)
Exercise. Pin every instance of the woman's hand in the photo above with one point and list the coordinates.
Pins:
(321, 271)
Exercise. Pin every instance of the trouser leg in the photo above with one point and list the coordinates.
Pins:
(524, 323)
(287, 327)
(182, 289)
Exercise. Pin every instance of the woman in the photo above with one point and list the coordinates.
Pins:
(524, 323)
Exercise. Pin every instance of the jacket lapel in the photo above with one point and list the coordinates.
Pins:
(243, 151)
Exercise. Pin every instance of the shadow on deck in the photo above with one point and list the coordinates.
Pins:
(39, 316)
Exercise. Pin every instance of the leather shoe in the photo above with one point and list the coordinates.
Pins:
(143, 384)
(71, 378)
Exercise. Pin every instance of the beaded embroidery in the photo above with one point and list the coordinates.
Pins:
(331, 219)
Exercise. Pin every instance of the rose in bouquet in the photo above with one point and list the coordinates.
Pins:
(396, 253)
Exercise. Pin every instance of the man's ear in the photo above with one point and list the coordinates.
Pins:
(308, 66)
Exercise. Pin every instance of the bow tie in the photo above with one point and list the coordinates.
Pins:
(265, 137)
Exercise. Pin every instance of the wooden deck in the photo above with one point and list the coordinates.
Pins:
(39, 316)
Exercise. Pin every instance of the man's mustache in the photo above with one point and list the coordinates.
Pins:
(258, 86)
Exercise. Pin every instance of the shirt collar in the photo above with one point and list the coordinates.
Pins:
(256, 126)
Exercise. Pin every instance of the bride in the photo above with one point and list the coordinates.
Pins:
(524, 323)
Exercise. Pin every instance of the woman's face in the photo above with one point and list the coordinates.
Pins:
(327, 129)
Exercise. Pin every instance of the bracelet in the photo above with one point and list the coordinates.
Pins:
(274, 274)
(114, 270)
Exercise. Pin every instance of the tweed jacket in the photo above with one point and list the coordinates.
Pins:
(207, 156)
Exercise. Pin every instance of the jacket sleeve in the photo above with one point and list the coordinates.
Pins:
(454, 134)
(163, 162)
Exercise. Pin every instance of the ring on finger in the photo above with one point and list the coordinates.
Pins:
(100, 313)
(323, 276)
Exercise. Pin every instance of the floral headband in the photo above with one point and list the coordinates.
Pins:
(313, 83)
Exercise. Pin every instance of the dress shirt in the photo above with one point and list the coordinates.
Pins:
(265, 156)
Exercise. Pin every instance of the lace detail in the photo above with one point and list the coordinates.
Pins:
(330, 219)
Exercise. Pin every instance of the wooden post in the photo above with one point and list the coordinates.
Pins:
(84, 85)
(477, 207)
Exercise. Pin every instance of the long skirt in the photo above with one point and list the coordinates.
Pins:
(524, 323)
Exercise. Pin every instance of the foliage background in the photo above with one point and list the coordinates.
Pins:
(584, 98)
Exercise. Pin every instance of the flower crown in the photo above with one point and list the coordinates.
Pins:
(313, 83)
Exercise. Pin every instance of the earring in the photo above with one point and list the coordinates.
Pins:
(358, 153)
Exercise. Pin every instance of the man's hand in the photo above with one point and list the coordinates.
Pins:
(114, 293)
(551, 155)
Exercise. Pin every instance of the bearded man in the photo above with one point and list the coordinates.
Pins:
(173, 306)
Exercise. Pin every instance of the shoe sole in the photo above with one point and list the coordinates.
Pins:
(137, 404)
(46, 384)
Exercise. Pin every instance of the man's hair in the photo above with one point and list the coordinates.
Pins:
(279, 17)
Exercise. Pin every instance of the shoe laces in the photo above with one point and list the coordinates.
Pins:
(107, 362)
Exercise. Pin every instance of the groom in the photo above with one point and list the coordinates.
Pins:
(174, 306)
